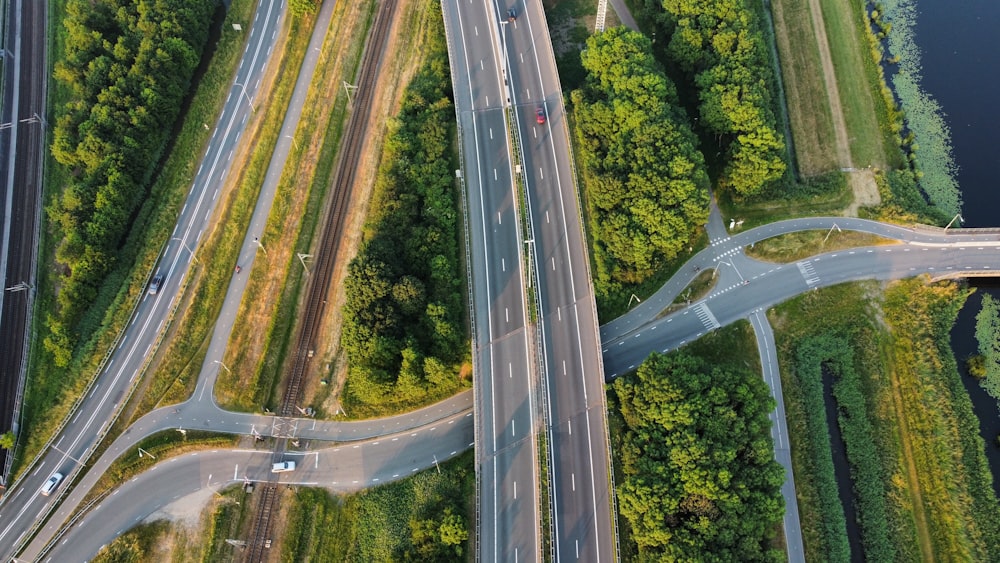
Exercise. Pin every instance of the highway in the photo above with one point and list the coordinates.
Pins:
(505, 381)
(343, 468)
(580, 468)
(96, 409)
(22, 144)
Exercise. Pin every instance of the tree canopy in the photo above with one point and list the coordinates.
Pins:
(647, 190)
(128, 66)
(701, 482)
(403, 331)
(719, 43)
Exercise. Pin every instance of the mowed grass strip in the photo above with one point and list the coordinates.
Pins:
(792, 247)
(805, 87)
(869, 136)
(254, 355)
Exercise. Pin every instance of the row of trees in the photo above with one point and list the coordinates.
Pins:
(403, 330)
(128, 66)
(700, 479)
(719, 44)
(647, 190)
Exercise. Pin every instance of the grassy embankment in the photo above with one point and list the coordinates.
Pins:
(920, 480)
(798, 246)
(51, 391)
(179, 365)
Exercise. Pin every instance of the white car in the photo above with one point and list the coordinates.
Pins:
(282, 467)
(51, 484)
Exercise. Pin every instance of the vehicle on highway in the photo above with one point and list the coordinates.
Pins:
(283, 467)
(156, 284)
(540, 116)
(51, 484)
(511, 15)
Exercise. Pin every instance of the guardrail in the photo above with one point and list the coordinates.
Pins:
(460, 180)
(106, 427)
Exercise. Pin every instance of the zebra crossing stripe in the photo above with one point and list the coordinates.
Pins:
(706, 316)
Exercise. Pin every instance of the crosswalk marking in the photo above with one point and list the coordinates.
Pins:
(808, 272)
(706, 316)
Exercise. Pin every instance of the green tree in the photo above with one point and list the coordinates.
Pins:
(7, 440)
(988, 336)
(697, 459)
(647, 190)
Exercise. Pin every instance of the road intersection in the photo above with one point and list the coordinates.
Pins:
(497, 254)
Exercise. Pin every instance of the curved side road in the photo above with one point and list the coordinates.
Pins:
(339, 469)
(719, 255)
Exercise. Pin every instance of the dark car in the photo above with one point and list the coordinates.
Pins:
(511, 15)
(540, 116)
(156, 284)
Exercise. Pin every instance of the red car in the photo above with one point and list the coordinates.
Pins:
(540, 116)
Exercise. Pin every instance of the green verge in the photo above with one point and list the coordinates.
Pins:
(792, 247)
(251, 382)
(422, 518)
(872, 141)
(925, 453)
(51, 391)
(176, 374)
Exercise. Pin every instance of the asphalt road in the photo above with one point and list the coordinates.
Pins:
(582, 524)
(506, 432)
(83, 431)
(779, 434)
(344, 468)
(771, 284)
(22, 142)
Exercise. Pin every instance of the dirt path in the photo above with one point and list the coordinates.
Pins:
(910, 468)
(862, 182)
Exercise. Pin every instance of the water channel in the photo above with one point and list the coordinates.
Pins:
(961, 70)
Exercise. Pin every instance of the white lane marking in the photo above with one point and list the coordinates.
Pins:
(491, 132)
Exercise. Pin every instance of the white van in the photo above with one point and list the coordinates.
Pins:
(51, 484)
(283, 467)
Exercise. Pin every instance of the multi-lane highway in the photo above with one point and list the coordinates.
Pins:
(579, 465)
(505, 384)
(506, 80)
(21, 150)
(81, 434)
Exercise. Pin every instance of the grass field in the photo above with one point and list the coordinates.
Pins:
(805, 87)
(939, 503)
(792, 247)
(815, 113)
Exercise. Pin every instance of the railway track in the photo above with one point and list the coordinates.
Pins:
(314, 310)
